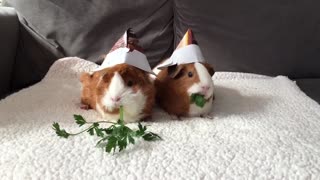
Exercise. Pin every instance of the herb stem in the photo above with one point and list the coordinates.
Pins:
(74, 134)
(101, 122)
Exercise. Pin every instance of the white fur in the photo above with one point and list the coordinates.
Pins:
(156, 71)
(133, 103)
(205, 80)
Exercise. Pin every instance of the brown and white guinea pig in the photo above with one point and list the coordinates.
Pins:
(175, 85)
(106, 90)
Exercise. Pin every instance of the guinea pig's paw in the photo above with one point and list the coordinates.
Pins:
(147, 118)
(174, 117)
(207, 116)
(84, 106)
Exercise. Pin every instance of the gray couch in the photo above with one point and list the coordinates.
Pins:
(265, 37)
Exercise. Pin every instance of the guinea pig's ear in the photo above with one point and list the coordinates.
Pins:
(106, 76)
(210, 69)
(175, 71)
(85, 77)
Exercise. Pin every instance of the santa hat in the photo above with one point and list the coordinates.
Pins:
(126, 50)
(186, 52)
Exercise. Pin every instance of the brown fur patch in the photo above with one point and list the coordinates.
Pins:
(88, 94)
(209, 68)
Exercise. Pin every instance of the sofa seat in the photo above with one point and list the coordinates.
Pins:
(311, 87)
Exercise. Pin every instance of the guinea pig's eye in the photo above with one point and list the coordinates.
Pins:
(190, 74)
(129, 83)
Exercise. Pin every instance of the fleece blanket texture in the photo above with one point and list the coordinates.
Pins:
(262, 128)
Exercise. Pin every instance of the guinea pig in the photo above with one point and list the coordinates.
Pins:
(175, 85)
(120, 85)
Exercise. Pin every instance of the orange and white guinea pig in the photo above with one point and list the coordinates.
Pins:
(122, 84)
(175, 85)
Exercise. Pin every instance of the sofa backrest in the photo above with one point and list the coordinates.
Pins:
(88, 29)
(274, 37)
(9, 33)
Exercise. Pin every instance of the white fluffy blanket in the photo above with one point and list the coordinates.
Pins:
(263, 128)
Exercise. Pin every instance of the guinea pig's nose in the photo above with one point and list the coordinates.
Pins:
(115, 99)
(205, 88)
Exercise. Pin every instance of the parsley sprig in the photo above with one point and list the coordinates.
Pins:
(198, 99)
(117, 136)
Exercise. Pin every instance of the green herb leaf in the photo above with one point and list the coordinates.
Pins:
(126, 130)
(141, 130)
(109, 130)
(112, 144)
(79, 120)
(91, 131)
(140, 127)
(151, 137)
(99, 132)
(60, 132)
(193, 98)
(198, 99)
(122, 143)
(131, 140)
(95, 124)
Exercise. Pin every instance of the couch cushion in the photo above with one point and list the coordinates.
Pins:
(88, 29)
(9, 33)
(33, 59)
(266, 37)
(311, 87)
